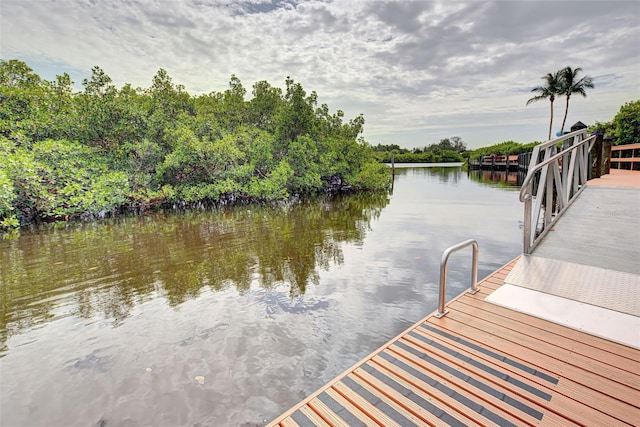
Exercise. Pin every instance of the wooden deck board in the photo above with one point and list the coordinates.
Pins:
(617, 349)
(605, 387)
(482, 364)
(518, 342)
(466, 394)
(358, 417)
(326, 413)
(568, 398)
(407, 408)
(288, 422)
(432, 400)
(366, 407)
(566, 341)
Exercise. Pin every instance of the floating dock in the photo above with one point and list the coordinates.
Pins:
(515, 359)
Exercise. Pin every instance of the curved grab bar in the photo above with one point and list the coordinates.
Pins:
(443, 272)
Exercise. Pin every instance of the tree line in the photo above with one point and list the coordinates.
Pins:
(447, 150)
(90, 153)
(624, 128)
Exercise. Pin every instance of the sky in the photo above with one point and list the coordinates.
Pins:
(418, 71)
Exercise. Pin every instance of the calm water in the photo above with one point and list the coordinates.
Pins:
(229, 318)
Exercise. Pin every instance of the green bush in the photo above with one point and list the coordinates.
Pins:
(503, 148)
(627, 123)
(6, 195)
(66, 154)
(372, 176)
(60, 179)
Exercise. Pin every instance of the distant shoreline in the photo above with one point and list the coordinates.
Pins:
(426, 165)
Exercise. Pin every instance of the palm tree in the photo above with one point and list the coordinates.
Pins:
(548, 91)
(569, 84)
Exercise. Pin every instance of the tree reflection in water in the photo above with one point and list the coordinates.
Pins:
(105, 269)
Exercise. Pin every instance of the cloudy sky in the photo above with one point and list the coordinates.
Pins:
(419, 71)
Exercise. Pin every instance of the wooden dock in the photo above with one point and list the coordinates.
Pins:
(514, 162)
(484, 364)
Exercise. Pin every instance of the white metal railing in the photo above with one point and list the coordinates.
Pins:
(443, 272)
(560, 174)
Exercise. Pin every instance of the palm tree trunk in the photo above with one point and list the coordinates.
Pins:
(566, 110)
(550, 121)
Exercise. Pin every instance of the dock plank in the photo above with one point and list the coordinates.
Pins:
(569, 398)
(617, 399)
(588, 350)
(366, 407)
(313, 416)
(457, 398)
(288, 422)
(519, 343)
(406, 408)
(433, 401)
(326, 413)
(620, 350)
(357, 417)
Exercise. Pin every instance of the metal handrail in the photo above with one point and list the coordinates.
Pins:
(562, 178)
(443, 272)
(531, 173)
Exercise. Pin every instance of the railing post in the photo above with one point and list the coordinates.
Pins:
(606, 155)
(596, 154)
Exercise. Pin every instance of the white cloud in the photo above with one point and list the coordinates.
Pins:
(419, 71)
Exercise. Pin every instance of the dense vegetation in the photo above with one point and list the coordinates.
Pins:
(447, 150)
(503, 148)
(68, 154)
(624, 128)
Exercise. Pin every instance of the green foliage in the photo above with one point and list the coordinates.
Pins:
(21, 100)
(196, 160)
(264, 107)
(304, 159)
(9, 223)
(203, 191)
(139, 159)
(274, 185)
(431, 156)
(503, 148)
(627, 123)
(371, 176)
(87, 153)
(6, 194)
(446, 151)
(606, 128)
(624, 128)
(107, 117)
(59, 179)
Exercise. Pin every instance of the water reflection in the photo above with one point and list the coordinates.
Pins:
(444, 174)
(229, 318)
(105, 269)
(499, 178)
